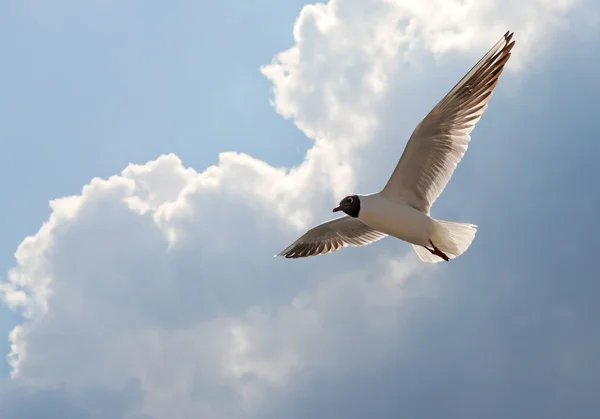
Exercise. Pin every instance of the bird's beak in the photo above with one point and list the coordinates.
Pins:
(336, 209)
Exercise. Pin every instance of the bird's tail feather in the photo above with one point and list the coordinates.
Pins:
(451, 238)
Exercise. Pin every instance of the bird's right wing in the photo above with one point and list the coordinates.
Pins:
(441, 139)
(331, 236)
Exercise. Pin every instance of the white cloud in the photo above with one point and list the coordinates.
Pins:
(163, 277)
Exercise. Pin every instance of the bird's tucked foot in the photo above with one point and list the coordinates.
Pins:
(437, 251)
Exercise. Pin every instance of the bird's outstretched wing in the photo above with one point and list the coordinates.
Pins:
(331, 236)
(441, 139)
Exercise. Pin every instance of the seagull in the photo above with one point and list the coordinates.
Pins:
(401, 209)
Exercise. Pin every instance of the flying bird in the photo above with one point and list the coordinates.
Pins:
(401, 209)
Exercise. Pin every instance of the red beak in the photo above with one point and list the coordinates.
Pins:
(336, 209)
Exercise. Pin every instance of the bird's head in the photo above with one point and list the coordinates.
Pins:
(350, 205)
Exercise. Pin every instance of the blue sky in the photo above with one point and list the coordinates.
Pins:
(165, 296)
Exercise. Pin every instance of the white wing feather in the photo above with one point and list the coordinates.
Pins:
(331, 236)
(441, 139)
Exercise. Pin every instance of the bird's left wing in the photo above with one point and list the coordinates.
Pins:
(331, 236)
(441, 139)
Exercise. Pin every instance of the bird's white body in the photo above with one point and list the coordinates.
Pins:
(395, 219)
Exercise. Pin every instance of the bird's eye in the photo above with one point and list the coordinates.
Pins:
(349, 200)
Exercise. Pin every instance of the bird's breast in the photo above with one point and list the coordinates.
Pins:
(395, 219)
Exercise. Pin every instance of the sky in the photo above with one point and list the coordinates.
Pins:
(156, 156)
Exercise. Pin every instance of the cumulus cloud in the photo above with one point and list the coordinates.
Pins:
(152, 276)
(159, 283)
